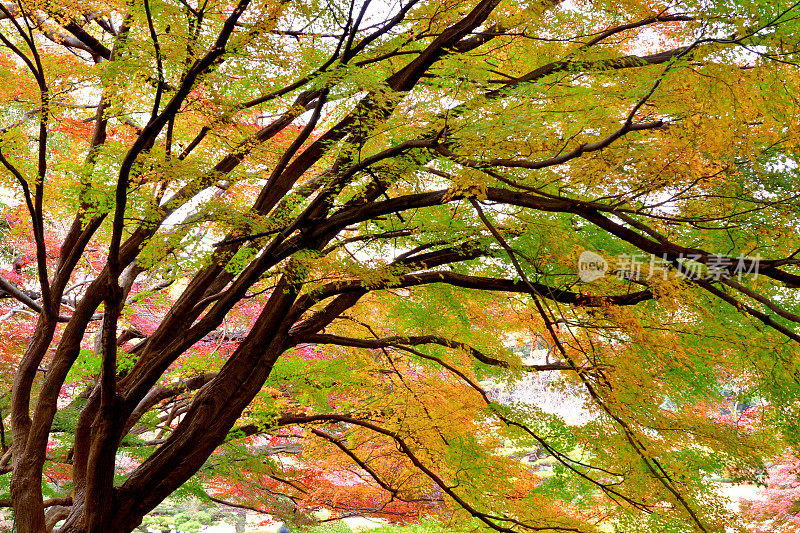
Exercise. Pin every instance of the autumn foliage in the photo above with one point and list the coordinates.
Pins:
(325, 259)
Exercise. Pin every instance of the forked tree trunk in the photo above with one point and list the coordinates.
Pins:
(217, 405)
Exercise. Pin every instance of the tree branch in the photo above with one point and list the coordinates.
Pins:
(323, 338)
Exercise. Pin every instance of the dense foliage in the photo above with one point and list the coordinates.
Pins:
(278, 254)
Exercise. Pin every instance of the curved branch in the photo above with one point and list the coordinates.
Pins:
(66, 501)
(624, 62)
(323, 338)
(488, 519)
(24, 298)
(368, 469)
(159, 394)
(476, 282)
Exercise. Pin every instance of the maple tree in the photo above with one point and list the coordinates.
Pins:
(776, 509)
(272, 253)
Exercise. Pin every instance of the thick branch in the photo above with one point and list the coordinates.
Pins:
(481, 283)
(426, 339)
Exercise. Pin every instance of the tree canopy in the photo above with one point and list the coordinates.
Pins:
(278, 253)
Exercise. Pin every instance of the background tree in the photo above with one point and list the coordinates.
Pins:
(777, 508)
(204, 189)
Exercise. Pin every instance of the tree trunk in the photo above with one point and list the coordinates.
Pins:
(241, 520)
